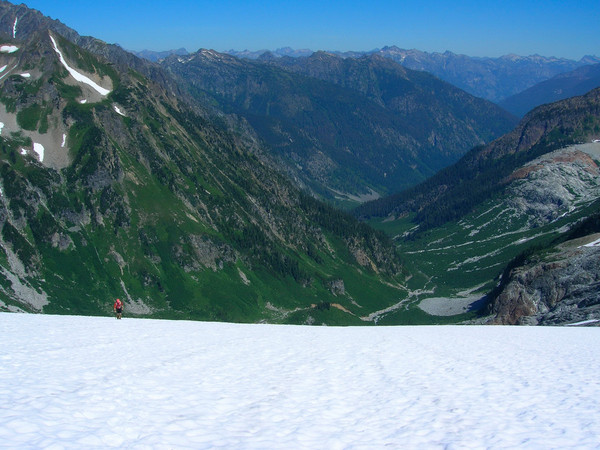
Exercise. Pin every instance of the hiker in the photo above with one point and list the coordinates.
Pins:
(118, 308)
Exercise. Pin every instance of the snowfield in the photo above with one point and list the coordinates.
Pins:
(97, 382)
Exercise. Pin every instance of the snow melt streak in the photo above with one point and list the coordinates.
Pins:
(596, 243)
(79, 77)
(99, 382)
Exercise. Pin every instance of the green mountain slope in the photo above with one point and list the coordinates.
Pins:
(114, 185)
(345, 127)
(458, 266)
(483, 171)
(564, 85)
(480, 221)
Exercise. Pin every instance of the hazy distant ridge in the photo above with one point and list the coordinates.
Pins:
(492, 78)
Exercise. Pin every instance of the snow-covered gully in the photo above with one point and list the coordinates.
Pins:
(78, 76)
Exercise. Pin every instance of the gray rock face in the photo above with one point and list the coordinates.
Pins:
(561, 285)
(558, 289)
(555, 184)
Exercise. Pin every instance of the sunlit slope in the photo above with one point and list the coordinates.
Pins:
(142, 193)
(463, 260)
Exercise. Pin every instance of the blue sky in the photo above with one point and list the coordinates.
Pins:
(477, 28)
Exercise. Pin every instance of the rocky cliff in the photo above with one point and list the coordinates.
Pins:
(555, 184)
(557, 288)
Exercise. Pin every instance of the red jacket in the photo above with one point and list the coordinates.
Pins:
(118, 304)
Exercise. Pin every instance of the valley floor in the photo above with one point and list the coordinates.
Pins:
(445, 306)
(95, 382)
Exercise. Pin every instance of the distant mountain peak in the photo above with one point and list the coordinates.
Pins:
(154, 56)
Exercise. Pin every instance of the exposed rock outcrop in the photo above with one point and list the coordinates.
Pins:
(560, 288)
(552, 185)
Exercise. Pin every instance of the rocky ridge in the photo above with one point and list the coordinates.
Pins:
(560, 283)
(494, 79)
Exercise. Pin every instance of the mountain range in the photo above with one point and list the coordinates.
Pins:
(501, 80)
(154, 56)
(559, 87)
(345, 127)
(190, 188)
(493, 79)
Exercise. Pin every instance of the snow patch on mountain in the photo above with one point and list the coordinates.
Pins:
(7, 72)
(118, 111)
(78, 76)
(39, 149)
(8, 48)
(595, 243)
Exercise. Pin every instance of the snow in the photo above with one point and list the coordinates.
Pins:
(8, 48)
(583, 322)
(97, 382)
(78, 76)
(3, 68)
(1, 126)
(9, 71)
(64, 140)
(39, 149)
(15, 28)
(26, 75)
(23, 151)
(595, 243)
(118, 111)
